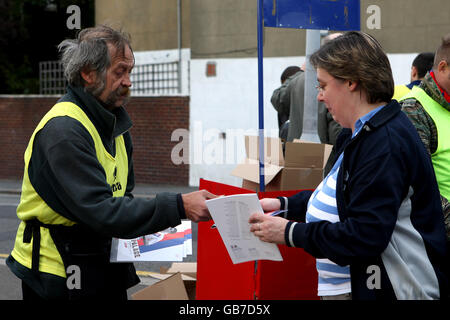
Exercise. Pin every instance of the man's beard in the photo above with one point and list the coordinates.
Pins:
(96, 89)
(111, 100)
(120, 93)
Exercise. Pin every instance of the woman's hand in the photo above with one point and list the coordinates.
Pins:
(270, 204)
(268, 228)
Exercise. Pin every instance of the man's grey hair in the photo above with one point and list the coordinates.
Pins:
(89, 52)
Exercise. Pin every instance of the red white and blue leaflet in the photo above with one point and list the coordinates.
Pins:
(172, 244)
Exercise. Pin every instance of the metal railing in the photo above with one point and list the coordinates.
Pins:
(51, 78)
(156, 78)
(147, 79)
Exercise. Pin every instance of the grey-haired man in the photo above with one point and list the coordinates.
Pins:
(78, 180)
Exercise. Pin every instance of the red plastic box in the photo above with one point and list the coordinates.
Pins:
(294, 278)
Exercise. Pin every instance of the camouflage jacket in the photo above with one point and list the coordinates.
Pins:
(427, 129)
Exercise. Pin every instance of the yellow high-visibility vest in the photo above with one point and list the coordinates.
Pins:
(32, 206)
(441, 118)
(400, 91)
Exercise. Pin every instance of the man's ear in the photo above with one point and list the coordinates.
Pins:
(442, 65)
(89, 76)
(414, 74)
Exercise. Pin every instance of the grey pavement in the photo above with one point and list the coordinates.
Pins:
(10, 186)
(10, 192)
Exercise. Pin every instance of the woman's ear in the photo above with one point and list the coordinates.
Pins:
(352, 85)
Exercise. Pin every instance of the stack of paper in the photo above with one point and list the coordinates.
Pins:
(172, 244)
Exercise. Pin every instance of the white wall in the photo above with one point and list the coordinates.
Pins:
(227, 102)
(401, 66)
(161, 56)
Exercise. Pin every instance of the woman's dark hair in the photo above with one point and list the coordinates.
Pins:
(357, 56)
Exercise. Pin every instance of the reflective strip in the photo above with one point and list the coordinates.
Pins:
(285, 207)
(291, 231)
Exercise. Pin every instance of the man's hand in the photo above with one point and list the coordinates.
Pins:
(195, 206)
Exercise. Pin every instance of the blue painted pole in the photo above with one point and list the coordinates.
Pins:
(260, 96)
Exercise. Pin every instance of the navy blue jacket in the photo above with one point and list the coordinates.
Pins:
(391, 230)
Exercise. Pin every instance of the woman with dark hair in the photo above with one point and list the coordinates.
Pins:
(375, 222)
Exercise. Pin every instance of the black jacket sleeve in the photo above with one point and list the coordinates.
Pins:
(297, 205)
(65, 172)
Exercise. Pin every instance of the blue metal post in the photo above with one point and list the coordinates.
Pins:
(260, 96)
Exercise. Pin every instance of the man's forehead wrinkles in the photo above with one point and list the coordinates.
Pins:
(124, 64)
(122, 61)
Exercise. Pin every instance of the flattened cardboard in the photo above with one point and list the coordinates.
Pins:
(273, 185)
(185, 268)
(171, 288)
(249, 170)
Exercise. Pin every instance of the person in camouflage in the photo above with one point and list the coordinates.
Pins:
(430, 117)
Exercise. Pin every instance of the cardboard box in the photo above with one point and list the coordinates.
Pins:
(188, 272)
(301, 167)
(178, 282)
(171, 288)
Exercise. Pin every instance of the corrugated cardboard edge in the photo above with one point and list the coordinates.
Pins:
(163, 276)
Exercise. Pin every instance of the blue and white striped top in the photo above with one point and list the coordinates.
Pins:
(333, 279)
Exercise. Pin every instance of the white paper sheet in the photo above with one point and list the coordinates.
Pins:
(231, 215)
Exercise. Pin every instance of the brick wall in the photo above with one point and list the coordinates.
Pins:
(154, 120)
